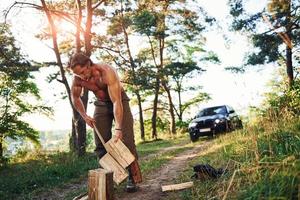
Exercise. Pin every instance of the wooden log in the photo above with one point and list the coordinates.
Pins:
(109, 186)
(109, 163)
(100, 185)
(119, 152)
(179, 186)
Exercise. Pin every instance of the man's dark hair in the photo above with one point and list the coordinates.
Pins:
(79, 59)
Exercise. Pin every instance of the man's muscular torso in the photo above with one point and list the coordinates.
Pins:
(98, 81)
(103, 80)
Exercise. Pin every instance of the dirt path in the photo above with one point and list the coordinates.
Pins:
(66, 191)
(164, 150)
(151, 187)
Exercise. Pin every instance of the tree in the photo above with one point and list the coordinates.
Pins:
(78, 138)
(163, 23)
(117, 45)
(16, 89)
(274, 32)
(56, 12)
(183, 68)
(159, 22)
(178, 73)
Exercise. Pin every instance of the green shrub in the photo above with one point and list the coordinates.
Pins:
(182, 126)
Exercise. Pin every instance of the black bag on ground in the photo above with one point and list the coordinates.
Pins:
(206, 171)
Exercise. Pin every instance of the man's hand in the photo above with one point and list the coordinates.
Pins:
(118, 135)
(89, 120)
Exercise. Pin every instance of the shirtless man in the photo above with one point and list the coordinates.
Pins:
(112, 104)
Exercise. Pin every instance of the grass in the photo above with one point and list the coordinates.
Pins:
(36, 173)
(41, 172)
(150, 147)
(261, 164)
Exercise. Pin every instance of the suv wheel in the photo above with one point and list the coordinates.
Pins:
(228, 127)
(212, 134)
(193, 137)
(240, 125)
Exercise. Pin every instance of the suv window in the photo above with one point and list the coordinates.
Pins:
(212, 111)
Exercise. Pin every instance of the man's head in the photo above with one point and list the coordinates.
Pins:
(80, 64)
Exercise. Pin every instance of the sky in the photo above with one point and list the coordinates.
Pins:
(238, 90)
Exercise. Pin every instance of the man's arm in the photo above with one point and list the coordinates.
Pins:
(114, 90)
(75, 94)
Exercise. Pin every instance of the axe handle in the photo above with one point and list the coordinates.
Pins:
(99, 135)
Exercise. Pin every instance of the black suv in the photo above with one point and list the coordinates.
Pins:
(213, 120)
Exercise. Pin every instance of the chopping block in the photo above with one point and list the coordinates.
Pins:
(100, 184)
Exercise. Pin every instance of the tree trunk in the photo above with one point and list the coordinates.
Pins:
(78, 134)
(142, 128)
(88, 28)
(78, 129)
(81, 126)
(289, 66)
(171, 109)
(161, 66)
(1, 147)
(133, 67)
(156, 92)
(289, 62)
(164, 84)
(78, 26)
(180, 105)
(73, 140)
(154, 113)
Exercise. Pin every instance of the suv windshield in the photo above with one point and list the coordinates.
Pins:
(212, 111)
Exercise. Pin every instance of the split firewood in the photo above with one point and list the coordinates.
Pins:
(175, 187)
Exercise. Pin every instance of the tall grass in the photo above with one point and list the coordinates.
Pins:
(278, 154)
(263, 160)
(262, 163)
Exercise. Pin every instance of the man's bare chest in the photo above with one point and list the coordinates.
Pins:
(94, 84)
